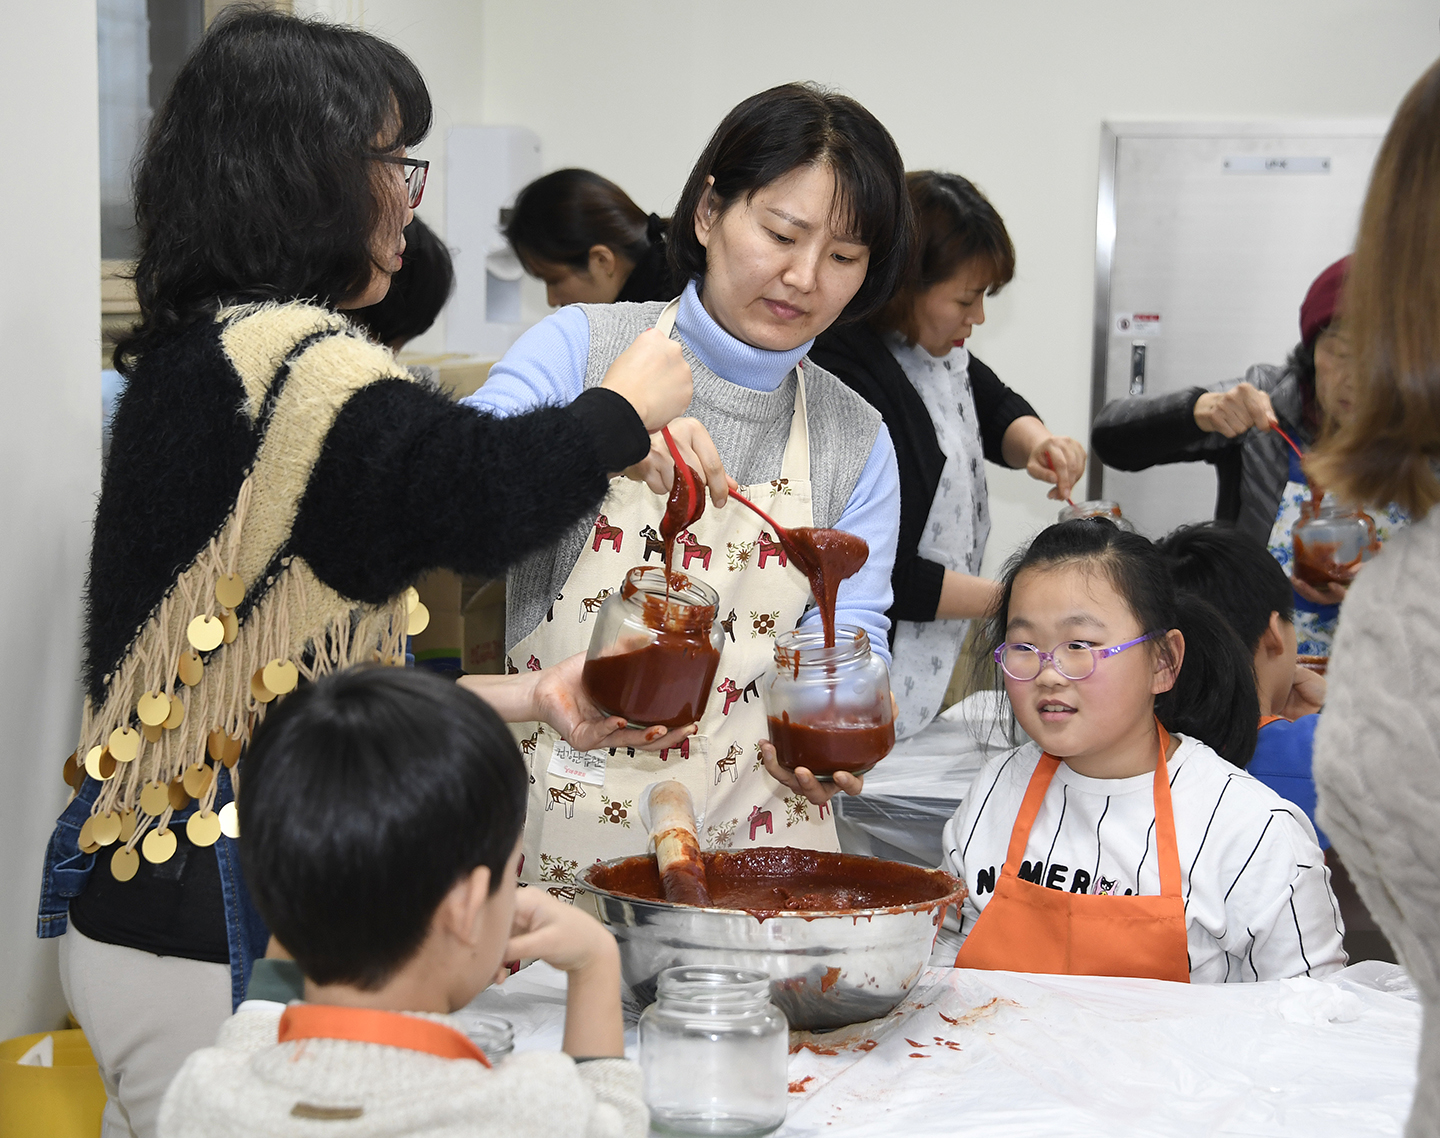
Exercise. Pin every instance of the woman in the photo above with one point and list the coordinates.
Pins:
(1377, 762)
(276, 483)
(794, 216)
(947, 413)
(1261, 485)
(583, 236)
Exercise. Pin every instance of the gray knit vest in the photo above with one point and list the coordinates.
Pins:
(750, 429)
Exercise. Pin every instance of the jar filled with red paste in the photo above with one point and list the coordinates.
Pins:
(829, 708)
(655, 649)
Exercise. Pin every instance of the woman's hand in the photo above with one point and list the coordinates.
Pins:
(1333, 593)
(802, 781)
(1058, 459)
(1307, 694)
(560, 700)
(1231, 413)
(653, 375)
(657, 469)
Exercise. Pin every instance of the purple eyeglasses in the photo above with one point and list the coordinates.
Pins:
(1075, 660)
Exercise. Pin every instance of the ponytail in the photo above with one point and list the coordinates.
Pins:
(1214, 697)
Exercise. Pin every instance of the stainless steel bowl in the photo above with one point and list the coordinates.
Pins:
(827, 969)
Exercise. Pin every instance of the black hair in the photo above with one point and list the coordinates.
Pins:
(1301, 365)
(1216, 702)
(956, 224)
(418, 290)
(257, 180)
(560, 216)
(794, 125)
(367, 796)
(1235, 573)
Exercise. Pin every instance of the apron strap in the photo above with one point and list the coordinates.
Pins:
(1166, 852)
(370, 1025)
(1029, 809)
(796, 463)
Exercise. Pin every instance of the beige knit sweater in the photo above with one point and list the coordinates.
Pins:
(248, 1084)
(1377, 768)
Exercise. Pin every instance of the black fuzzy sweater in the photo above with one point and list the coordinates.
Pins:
(405, 481)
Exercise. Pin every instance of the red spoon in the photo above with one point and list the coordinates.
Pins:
(691, 497)
(1068, 501)
(1298, 452)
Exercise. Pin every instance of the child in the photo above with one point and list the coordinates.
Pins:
(381, 812)
(1254, 596)
(1112, 845)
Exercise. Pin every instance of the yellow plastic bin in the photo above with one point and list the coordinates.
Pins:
(63, 1101)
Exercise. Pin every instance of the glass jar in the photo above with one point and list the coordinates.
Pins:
(655, 649)
(829, 709)
(714, 1053)
(493, 1034)
(1331, 542)
(1095, 508)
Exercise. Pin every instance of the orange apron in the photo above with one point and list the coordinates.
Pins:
(369, 1025)
(1266, 720)
(1029, 928)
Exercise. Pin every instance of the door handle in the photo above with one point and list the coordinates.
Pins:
(1137, 368)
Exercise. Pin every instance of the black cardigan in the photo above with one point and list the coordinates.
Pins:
(858, 355)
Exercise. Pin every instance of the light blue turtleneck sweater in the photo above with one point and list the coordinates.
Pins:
(546, 367)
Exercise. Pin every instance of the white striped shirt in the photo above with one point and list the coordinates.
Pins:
(1258, 904)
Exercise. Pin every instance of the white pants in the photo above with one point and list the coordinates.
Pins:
(143, 1015)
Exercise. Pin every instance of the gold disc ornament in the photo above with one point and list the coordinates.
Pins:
(100, 764)
(152, 734)
(127, 825)
(107, 828)
(205, 633)
(124, 744)
(203, 829)
(158, 846)
(179, 799)
(231, 756)
(230, 590)
(280, 676)
(192, 669)
(74, 772)
(153, 708)
(230, 820)
(86, 838)
(258, 690)
(231, 627)
(177, 714)
(419, 620)
(154, 798)
(197, 779)
(123, 864)
(215, 744)
(412, 598)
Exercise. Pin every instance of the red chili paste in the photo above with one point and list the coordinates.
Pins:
(824, 748)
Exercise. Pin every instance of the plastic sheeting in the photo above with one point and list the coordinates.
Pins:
(1009, 1055)
(914, 790)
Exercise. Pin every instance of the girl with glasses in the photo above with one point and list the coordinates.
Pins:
(1126, 839)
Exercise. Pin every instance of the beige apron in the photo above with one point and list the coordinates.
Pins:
(585, 806)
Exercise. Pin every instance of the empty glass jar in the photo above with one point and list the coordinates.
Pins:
(493, 1034)
(1095, 508)
(714, 1053)
(829, 709)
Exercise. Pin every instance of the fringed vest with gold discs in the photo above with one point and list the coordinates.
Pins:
(242, 623)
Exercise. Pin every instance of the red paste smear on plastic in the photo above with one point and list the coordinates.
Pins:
(799, 1085)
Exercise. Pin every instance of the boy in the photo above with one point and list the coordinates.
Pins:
(1239, 577)
(381, 815)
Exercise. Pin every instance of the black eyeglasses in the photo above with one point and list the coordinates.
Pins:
(416, 171)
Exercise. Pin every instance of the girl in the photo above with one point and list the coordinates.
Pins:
(583, 236)
(275, 482)
(1119, 843)
(795, 215)
(948, 413)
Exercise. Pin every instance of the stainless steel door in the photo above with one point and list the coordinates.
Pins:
(1207, 238)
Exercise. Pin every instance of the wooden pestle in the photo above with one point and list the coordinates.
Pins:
(677, 849)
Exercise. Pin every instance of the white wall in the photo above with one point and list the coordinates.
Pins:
(1010, 94)
(49, 456)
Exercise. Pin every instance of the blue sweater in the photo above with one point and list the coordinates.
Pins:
(547, 365)
(1282, 762)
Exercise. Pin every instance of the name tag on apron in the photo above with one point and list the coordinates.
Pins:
(577, 766)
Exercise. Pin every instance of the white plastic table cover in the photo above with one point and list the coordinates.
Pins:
(1014, 1055)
